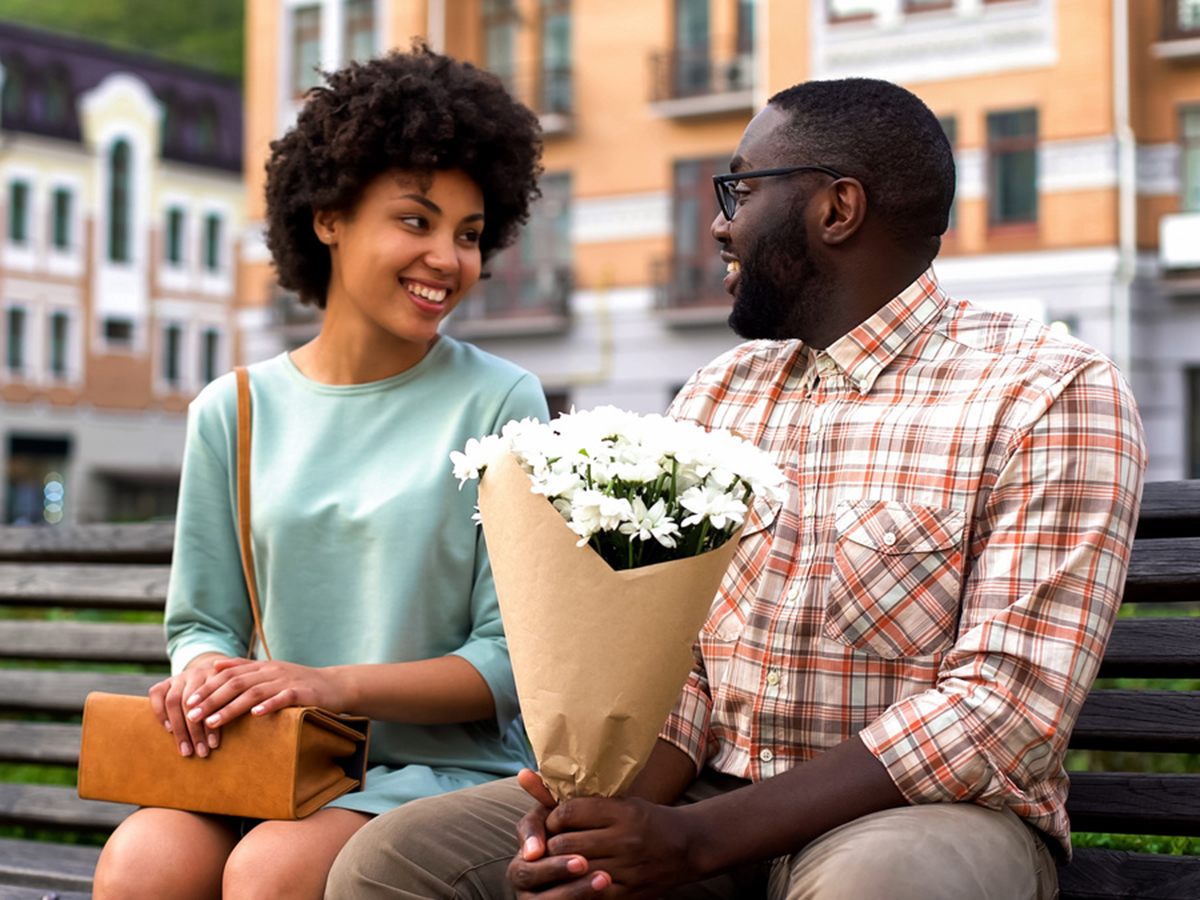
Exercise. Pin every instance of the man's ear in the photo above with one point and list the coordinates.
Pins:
(845, 210)
(325, 225)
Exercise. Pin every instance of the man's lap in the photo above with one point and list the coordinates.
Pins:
(459, 845)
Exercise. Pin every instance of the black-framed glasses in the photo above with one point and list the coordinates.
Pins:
(727, 200)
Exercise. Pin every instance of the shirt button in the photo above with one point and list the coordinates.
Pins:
(772, 677)
(810, 510)
(890, 538)
(766, 755)
(794, 594)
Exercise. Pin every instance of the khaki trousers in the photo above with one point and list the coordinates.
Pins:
(459, 845)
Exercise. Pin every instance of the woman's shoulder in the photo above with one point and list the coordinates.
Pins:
(469, 361)
(218, 398)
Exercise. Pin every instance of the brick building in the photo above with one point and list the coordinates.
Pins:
(120, 211)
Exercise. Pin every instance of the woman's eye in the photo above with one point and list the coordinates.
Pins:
(470, 237)
(413, 221)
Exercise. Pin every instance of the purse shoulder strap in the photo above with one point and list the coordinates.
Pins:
(243, 503)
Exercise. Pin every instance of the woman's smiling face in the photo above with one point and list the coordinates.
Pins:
(405, 255)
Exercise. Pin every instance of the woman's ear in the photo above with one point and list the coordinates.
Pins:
(845, 210)
(325, 225)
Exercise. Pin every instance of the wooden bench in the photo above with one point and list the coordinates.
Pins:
(48, 666)
(114, 568)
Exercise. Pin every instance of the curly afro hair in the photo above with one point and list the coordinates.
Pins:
(888, 139)
(419, 111)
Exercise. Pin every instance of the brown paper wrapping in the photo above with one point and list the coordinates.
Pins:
(599, 656)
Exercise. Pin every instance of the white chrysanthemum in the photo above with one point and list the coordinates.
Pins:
(475, 457)
(651, 523)
(712, 503)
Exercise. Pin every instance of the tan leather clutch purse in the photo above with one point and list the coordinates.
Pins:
(281, 766)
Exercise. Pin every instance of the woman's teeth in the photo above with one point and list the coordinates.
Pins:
(430, 294)
(733, 266)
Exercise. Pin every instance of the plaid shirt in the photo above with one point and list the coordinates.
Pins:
(943, 575)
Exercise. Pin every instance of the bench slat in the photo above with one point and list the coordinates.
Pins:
(46, 743)
(52, 806)
(1097, 874)
(1134, 803)
(1150, 721)
(58, 867)
(1163, 570)
(1170, 509)
(84, 585)
(64, 692)
(148, 542)
(100, 642)
(39, 893)
(1160, 647)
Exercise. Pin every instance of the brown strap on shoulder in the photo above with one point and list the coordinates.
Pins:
(243, 504)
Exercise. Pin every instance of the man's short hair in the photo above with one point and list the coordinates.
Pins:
(888, 139)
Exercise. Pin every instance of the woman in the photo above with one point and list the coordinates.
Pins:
(400, 179)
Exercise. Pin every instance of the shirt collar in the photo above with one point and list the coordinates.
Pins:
(862, 353)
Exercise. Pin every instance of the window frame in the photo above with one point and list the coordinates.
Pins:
(19, 213)
(1189, 144)
(1001, 148)
(62, 218)
(213, 236)
(16, 355)
(120, 202)
(58, 353)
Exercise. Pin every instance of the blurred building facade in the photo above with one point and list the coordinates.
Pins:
(120, 216)
(1076, 126)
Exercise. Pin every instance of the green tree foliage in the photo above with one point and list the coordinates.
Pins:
(207, 34)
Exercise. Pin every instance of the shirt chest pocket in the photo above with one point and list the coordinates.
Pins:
(897, 577)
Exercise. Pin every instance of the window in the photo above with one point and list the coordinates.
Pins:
(14, 341)
(174, 238)
(745, 27)
(950, 126)
(500, 22)
(60, 329)
(12, 101)
(212, 242)
(60, 230)
(694, 272)
(1012, 167)
(691, 48)
(358, 38)
(210, 355)
(912, 6)
(58, 91)
(1190, 158)
(118, 332)
(172, 340)
(306, 48)
(18, 212)
(119, 202)
(204, 128)
(556, 56)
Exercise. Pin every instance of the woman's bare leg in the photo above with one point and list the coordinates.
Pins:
(290, 860)
(158, 853)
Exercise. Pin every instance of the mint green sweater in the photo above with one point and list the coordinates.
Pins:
(364, 546)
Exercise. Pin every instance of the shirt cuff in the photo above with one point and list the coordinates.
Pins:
(491, 661)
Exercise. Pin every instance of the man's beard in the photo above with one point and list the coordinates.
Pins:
(781, 290)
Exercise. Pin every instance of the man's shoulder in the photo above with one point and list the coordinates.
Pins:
(748, 361)
(1016, 340)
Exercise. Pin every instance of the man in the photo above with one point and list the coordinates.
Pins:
(886, 684)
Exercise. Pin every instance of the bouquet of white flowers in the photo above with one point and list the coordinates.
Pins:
(609, 534)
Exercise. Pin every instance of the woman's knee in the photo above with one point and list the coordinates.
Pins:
(289, 859)
(159, 853)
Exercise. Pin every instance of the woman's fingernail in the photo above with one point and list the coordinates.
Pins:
(213, 721)
(195, 713)
(214, 741)
(257, 710)
(192, 700)
(576, 866)
(167, 725)
(202, 750)
(185, 748)
(531, 847)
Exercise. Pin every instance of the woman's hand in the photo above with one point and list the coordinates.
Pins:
(167, 700)
(239, 686)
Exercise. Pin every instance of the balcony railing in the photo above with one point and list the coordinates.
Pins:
(1180, 20)
(682, 74)
(526, 300)
(690, 290)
